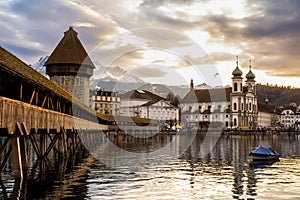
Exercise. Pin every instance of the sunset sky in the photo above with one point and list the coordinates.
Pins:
(167, 41)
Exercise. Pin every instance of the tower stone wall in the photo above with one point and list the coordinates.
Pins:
(70, 67)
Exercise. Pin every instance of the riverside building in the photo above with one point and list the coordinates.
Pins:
(230, 107)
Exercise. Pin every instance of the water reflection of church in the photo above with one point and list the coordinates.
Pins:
(234, 106)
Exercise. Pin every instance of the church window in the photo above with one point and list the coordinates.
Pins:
(234, 106)
(234, 122)
(235, 87)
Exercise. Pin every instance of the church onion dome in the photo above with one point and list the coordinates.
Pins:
(237, 72)
(250, 75)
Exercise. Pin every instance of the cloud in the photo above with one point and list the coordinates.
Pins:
(269, 35)
(265, 31)
(150, 71)
(36, 22)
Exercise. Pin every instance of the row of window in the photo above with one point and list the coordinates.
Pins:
(100, 105)
(291, 117)
(106, 98)
(287, 121)
(160, 108)
(205, 116)
(248, 107)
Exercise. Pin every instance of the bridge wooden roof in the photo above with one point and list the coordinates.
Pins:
(69, 51)
(18, 68)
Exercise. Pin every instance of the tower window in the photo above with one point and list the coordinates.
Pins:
(234, 106)
(235, 87)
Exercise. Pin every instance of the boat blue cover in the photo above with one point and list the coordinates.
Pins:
(263, 151)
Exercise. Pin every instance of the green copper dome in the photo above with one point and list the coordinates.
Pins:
(250, 75)
(237, 72)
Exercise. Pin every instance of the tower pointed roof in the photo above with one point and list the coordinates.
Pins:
(70, 51)
(237, 72)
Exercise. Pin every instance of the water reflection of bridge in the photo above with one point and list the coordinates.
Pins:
(63, 176)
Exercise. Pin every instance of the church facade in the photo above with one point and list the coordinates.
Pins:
(231, 107)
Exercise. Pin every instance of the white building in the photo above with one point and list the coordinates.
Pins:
(142, 103)
(290, 118)
(105, 102)
(267, 116)
(234, 106)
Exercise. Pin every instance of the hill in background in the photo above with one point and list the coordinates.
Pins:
(278, 95)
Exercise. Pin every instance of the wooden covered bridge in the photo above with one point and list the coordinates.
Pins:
(36, 112)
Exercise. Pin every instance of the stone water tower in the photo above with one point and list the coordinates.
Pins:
(70, 67)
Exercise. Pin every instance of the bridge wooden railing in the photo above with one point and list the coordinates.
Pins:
(35, 118)
(21, 123)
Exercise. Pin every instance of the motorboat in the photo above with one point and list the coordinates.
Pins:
(264, 153)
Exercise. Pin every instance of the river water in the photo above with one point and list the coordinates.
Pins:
(223, 172)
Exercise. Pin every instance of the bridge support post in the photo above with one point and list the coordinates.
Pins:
(43, 149)
(19, 151)
(62, 142)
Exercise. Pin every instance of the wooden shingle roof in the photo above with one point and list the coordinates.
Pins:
(69, 51)
(16, 67)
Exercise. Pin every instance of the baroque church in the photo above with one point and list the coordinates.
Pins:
(230, 107)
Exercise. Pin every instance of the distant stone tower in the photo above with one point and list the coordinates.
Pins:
(70, 67)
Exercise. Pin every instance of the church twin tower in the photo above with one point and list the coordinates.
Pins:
(243, 99)
(70, 67)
